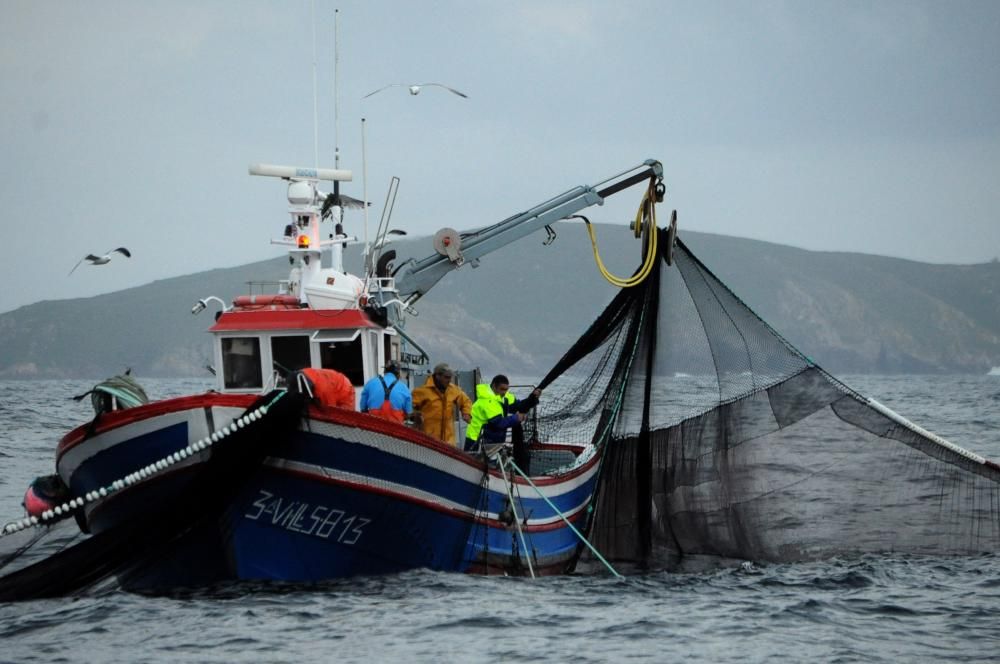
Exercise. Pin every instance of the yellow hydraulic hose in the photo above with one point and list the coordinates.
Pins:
(644, 223)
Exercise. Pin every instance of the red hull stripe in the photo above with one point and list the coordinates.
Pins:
(333, 415)
(119, 418)
(370, 423)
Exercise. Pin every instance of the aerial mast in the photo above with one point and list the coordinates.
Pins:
(315, 94)
(336, 94)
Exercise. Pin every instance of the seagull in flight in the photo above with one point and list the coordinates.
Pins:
(415, 89)
(101, 260)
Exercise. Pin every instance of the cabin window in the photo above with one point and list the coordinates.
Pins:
(290, 353)
(241, 363)
(391, 348)
(345, 357)
(387, 353)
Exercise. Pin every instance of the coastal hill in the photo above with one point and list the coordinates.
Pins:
(525, 304)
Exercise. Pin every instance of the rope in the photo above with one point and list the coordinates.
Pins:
(563, 517)
(142, 474)
(517, 519)
(482, 508)
(645, 221)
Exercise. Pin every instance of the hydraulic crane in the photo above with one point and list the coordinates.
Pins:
(414, 278)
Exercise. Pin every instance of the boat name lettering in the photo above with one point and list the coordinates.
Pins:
(301, 517)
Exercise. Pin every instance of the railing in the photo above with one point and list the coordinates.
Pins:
(269, 287)
(387, 284)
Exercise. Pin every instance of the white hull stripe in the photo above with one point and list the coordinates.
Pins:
(405, 491)
(194, 417)
(442, 462)
(384, 443)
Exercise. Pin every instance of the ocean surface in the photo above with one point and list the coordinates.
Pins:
(872, 609)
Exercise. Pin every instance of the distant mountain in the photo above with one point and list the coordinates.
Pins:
(520, 310)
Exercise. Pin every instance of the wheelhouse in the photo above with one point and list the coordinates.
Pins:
(255, 345)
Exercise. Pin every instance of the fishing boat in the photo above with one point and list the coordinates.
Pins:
(256, 480)
(679, 431)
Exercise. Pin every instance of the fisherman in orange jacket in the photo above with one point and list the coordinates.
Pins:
(330, 387)
(435, 402)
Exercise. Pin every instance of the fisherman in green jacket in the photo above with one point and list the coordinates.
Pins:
(496, 410)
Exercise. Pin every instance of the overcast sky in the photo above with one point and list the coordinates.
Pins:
(856, 126)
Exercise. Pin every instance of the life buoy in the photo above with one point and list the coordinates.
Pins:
(266, 301)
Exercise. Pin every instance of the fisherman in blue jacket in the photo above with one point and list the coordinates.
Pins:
(496, 410)
(387, 396)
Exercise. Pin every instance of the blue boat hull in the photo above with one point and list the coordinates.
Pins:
(345, 494)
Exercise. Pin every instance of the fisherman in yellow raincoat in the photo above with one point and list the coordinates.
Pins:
(434, 404)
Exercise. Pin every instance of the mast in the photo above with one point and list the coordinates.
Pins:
(336, 94)
(302, 236)
(338, 210)
(315, 95)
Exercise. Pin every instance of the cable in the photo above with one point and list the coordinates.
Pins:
(517, 518)
(562, 516)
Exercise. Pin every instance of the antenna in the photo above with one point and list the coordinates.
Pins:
(297, 173)
(383, 224)
(336, 94)
(364, 181)
(315, 95)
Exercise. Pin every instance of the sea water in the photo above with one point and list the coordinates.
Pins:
(872, 609)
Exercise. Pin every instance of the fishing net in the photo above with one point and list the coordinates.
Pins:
(723, 442)
(115, 393)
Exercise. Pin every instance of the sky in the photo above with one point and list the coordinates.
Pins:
(868, 127)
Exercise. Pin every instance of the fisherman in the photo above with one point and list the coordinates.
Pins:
(328, 387)
(434, 404)
(496, 409)
(387, 396)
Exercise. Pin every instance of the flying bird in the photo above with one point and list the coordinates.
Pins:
(415, 89)
(101, 260)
